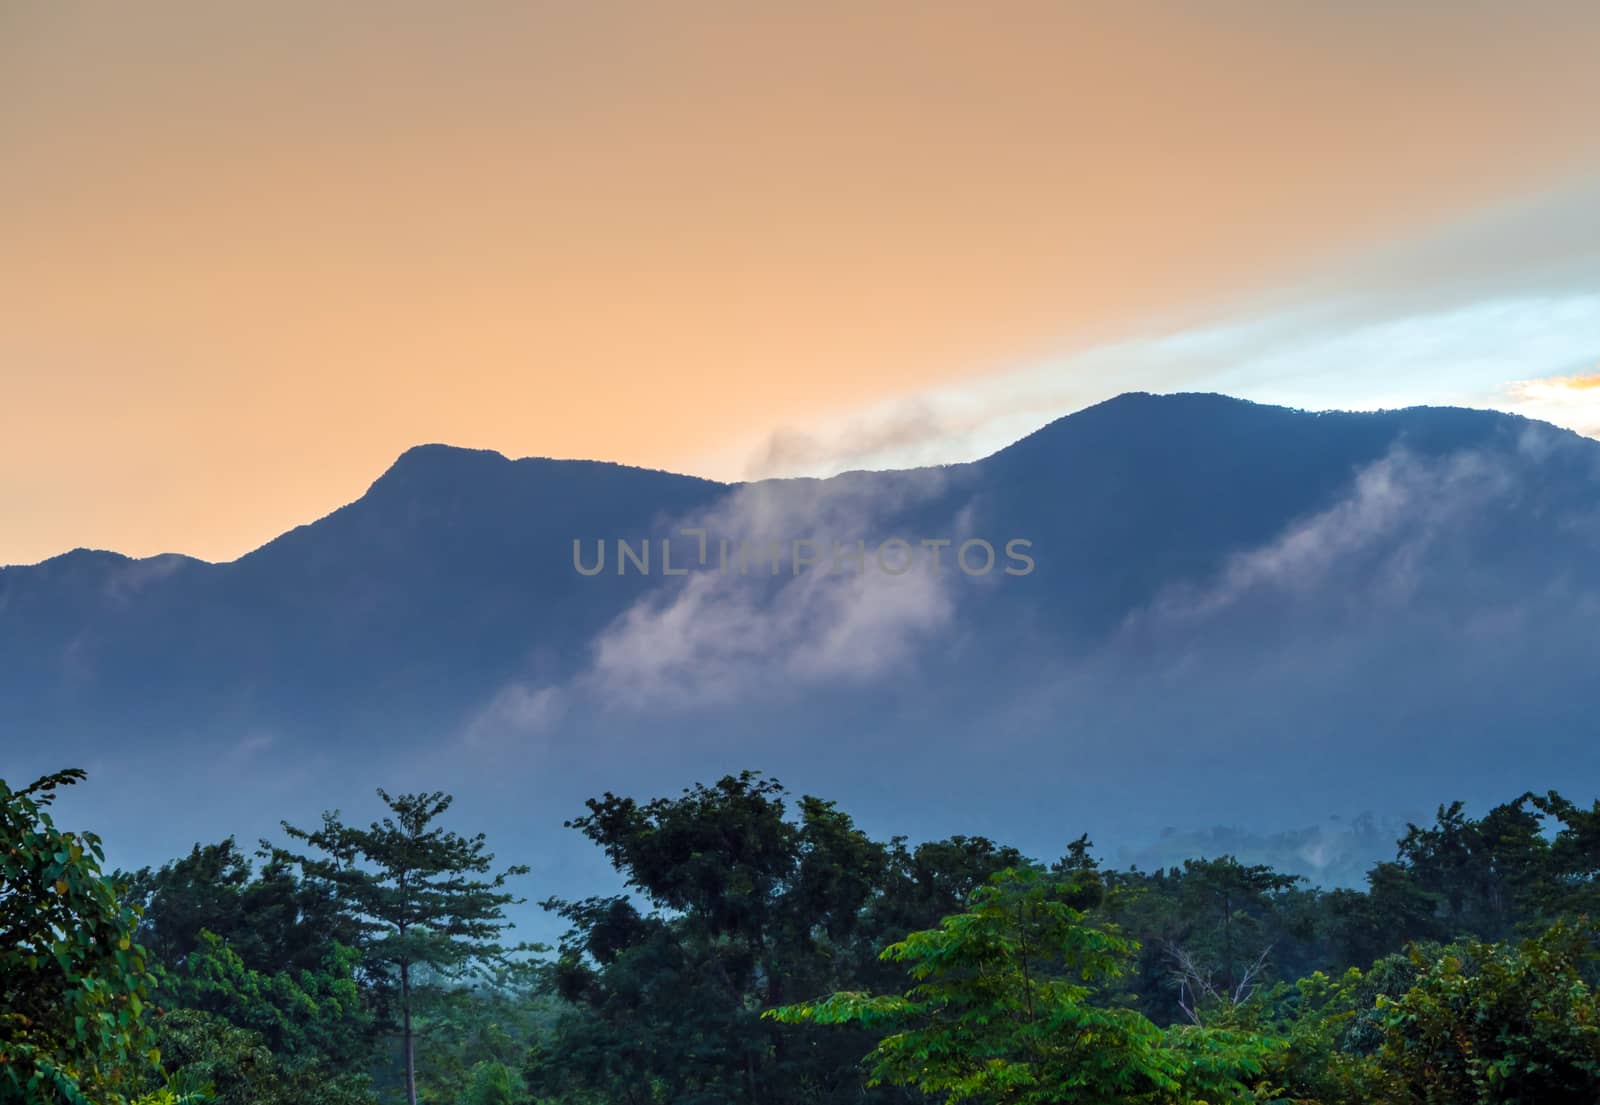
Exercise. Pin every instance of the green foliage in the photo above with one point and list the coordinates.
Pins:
(407, 887)
(73, 983)
(493, 1083)
(416, 896)
(1458, 975)
(749, 904)
(274, 967)
(237, 1068)
(1572, 883)
(1324, 1024)
(271, 919)
(307, 1013)
(1002, 1010)
(463, 1032)
(661, 1003)
(1487, 1024)
(1484, 874)
(666, 1008)
(1363, 927)
(1213, 935)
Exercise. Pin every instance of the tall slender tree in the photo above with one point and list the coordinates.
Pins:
(422, 898)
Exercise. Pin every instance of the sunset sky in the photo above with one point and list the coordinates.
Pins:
(249, 253)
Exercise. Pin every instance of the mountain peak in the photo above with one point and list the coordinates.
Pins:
(434, 463)
(1208, 422)
(433, 456)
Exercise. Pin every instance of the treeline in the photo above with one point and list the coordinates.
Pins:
(768, 951)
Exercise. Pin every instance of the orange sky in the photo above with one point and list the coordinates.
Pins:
(249, 253)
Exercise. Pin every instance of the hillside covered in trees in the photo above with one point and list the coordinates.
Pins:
(761, 948)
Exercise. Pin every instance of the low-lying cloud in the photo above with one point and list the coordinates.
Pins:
(719, 638)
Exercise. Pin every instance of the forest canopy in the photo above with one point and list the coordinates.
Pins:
(764, 949)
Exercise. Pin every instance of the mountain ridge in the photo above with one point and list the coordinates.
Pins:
(427, 462)
(1226, 595)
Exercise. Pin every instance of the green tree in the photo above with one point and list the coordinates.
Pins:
(1573, 886)
(73, 983)
(1212, 934)
(466, 1034)
(749, 905)
(743, 899)
(1483, 873)
(1003, 1010)
(1497, 1024)
(203, 891)
(306, 1015)
(237, 1068)
(1234, 924)
(422, 899)
(271, 919)
(1362, 927)
(493, 1083)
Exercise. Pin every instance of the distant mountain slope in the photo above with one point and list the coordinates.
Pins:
(1237, 613)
